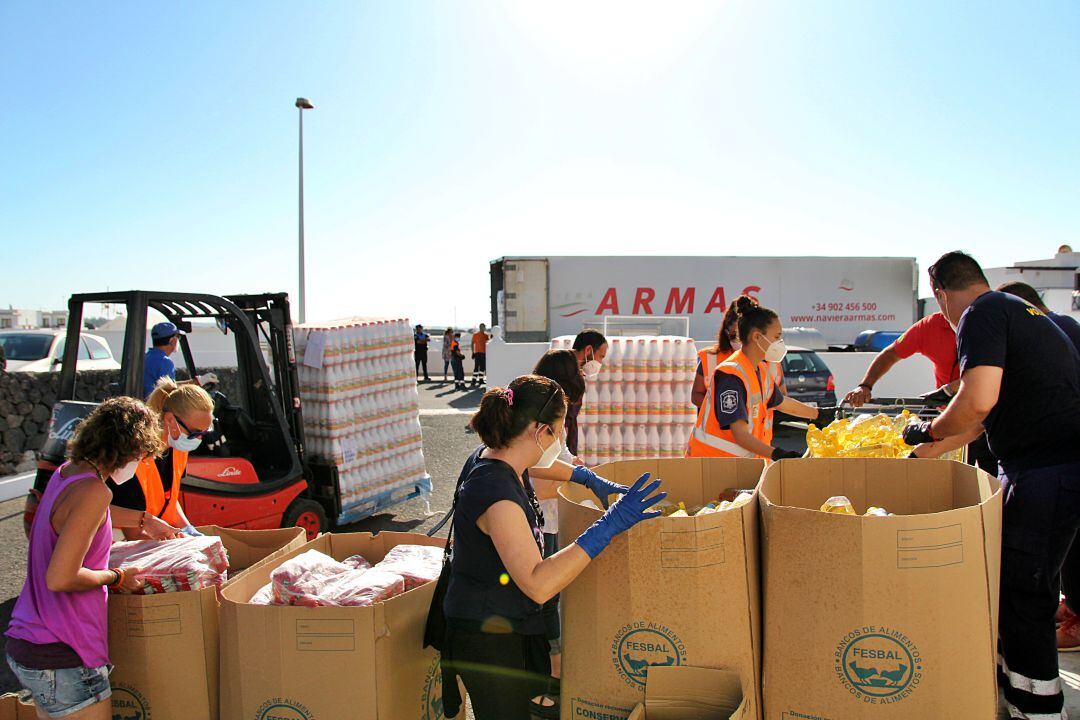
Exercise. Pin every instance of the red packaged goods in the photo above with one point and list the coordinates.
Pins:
(314, 579)
(180, 565)
(355, 588)
(357, 562)
(296, 581)
(418, 564)
(264, 595)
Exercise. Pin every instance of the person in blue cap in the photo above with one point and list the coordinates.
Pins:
(165, 336)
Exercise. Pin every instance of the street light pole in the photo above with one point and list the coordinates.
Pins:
(302, 104)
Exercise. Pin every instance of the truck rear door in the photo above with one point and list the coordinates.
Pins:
(525, 300)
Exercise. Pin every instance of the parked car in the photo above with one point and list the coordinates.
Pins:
(807, 337)
(43, 351)
(876, 340)
(809, 379)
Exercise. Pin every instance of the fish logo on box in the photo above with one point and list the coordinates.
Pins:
(641, 645)
(128, 704)
(283, 709)
(878, 665)
(431, 707)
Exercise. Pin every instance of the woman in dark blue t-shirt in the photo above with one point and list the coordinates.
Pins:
(499, 578)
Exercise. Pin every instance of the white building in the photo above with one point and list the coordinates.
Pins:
(1057, 279)
(23, 319)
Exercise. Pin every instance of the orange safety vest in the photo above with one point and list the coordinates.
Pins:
(709, 361)
(776, 377)
(708, 438)
(154, 491)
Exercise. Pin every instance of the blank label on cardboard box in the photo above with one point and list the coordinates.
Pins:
(691, 549)
(325, 635)
(929, 547)
(154, 621)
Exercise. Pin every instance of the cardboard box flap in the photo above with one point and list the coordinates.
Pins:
(247, 547)
(691, 693)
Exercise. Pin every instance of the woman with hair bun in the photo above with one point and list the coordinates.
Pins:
(499, 578)
(727, 342)
(735, 419)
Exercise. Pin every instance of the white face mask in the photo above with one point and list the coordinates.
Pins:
(123, 474)
(550, 454)
(591, 370)
(184, 443)
(776, 351)
(735, 345)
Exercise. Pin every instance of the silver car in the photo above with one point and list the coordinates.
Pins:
(43, 351)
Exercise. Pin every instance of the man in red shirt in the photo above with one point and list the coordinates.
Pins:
(932, 337)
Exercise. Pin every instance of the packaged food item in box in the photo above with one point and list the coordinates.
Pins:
(839, 505)
(418, 564)
(355, 588)
(867, 435)
(295, 580)
(314, 579)
(264, 595)
(357, 562)
(180, 565)
(877, 512)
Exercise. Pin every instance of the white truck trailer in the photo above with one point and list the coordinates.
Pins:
(536, 298)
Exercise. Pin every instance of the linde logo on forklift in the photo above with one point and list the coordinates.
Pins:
(231, 471)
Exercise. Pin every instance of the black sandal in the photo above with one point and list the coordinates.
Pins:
(543, 711)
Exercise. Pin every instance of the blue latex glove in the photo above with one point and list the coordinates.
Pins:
(918, 433)
(599, 486)
(625, 513)
(190, 531)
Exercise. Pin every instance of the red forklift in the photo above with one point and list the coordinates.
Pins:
(252, 472)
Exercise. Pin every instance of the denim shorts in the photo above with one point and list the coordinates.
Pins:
(59, 693)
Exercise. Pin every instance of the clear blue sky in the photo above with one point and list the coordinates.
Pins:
(154, 144)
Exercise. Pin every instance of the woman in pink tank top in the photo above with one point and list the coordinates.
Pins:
(58, 641)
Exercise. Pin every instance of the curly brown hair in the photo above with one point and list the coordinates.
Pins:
(119, 430)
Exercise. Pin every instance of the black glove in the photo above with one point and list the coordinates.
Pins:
(912, 455)
(782, 454)
(918, 433)
(937, 397)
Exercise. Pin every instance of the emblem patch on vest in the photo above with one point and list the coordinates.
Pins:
(729, 400)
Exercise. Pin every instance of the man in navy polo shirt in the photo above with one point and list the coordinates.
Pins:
(1020, 382)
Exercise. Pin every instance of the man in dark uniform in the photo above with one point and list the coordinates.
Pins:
(1020, 382)
(420, 345)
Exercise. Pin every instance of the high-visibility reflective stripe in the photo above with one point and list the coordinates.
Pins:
(1016, 713)
(1030, 685)
(720, 444)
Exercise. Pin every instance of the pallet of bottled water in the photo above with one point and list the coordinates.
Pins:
(362, 411)
(639, 406)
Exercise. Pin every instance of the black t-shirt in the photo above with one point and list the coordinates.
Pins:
(481, 592)
(130, 495)
(1036, 422)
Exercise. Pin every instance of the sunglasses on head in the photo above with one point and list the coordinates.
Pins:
(193, 434)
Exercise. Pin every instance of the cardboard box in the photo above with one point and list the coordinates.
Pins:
(326, 663)
(165, 647)
(12, 709)
(690, 693)
(671, 591)
(880, 617)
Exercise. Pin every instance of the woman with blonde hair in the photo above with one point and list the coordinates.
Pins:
(187, 415)
(58, 639)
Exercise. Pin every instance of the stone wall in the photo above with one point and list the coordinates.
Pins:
(27, 399)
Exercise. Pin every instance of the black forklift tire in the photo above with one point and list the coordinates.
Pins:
(307, 514)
